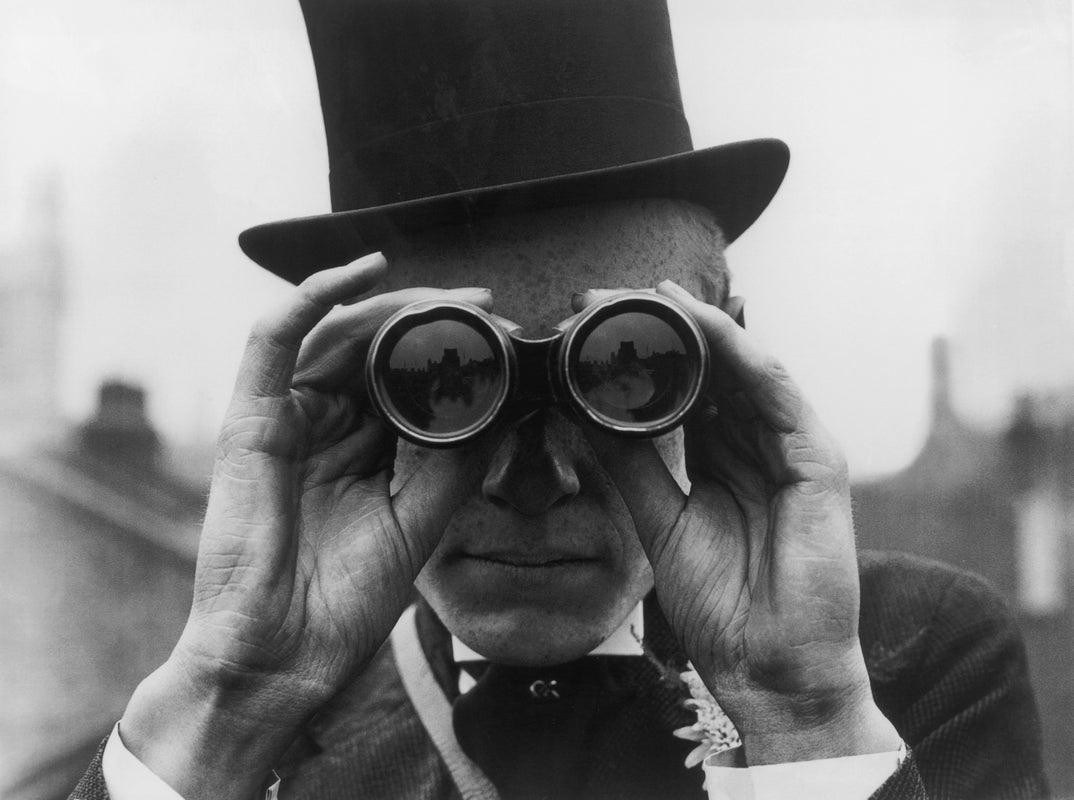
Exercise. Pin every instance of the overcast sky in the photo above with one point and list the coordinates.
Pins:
(928, 192)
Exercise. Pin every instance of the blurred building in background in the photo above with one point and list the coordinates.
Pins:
(97, 538)
(999, 503)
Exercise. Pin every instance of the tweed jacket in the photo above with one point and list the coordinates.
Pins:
(945, 659)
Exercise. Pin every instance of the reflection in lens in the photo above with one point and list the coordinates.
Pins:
(634, 369)
(442, 377)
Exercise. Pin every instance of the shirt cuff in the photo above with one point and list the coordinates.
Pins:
(127, 778)
(847, 778)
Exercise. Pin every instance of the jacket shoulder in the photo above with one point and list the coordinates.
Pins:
(948, 668)
(913, 607)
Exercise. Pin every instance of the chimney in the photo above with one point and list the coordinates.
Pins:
(120, 430)
(1028, 441)
(31, 317)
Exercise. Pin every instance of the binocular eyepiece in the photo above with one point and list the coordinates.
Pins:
(442, 371)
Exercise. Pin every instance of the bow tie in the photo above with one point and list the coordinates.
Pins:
(597, 727)
(547, 732)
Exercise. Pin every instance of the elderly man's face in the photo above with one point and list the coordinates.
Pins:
(542, 562)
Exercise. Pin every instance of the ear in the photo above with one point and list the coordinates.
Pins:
(735, 308)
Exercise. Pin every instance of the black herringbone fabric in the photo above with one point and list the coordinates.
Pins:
(905, 784)
(92, 787)
(945, 658)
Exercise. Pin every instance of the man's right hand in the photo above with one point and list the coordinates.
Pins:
(306, 560)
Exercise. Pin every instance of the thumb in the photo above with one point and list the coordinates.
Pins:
(425, 504)
(649, 490)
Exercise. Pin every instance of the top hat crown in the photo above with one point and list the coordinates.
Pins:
(443, 111)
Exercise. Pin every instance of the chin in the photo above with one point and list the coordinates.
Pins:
(537, 633)
(531, 637)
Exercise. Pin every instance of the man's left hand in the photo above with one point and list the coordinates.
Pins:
(755, 568)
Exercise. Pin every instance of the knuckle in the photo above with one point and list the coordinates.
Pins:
(307, 292)
(235, 438)
(262, 429)
(263, 328)
(266, 333)
(774, 372)
(818, 460)
(267, 337)
(311, 282)
(311, 293)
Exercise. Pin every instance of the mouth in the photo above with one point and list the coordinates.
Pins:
(523, 561)
(497, 575)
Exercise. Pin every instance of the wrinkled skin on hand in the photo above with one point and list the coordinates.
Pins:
(305, 560)
(755, 565)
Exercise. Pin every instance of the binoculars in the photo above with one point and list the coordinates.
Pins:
(441, 372)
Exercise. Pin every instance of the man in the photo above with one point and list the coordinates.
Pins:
(537, 150)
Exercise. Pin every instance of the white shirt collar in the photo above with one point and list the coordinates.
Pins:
(625, 641)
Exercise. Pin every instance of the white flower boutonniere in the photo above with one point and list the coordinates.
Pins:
(713, 729)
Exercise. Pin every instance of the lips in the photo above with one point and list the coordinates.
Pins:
(517, 560)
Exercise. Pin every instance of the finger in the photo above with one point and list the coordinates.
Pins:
(268, 362)
(509, 326)
(764, 380)
(649, 490)
(582, 300)
(333, 354)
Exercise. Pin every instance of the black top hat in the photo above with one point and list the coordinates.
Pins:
(442, 111)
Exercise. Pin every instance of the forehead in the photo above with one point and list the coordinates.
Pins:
(534, 261)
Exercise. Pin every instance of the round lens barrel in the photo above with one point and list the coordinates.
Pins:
(635, 364)
(439, 371)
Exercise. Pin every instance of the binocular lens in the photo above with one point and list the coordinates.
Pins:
(634, 369)
(636, 364)
(440, 378)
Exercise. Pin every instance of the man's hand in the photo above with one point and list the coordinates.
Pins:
(306, 561)
(756, 568)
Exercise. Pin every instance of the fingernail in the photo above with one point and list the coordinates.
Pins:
(371, 258)
(477, 295)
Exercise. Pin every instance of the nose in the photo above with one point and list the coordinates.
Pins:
(532, 469)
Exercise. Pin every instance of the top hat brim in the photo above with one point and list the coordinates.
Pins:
(736, 182)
